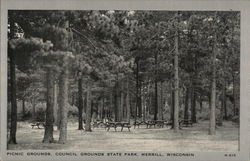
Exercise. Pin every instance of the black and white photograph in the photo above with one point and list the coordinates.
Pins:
(116, 82)
(123, 80)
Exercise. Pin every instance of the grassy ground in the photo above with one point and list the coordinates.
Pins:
(142, 139)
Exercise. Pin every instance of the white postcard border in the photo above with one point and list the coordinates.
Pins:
(243, 6)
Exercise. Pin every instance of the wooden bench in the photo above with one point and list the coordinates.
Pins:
(118, 124)
(38, 124)
(150, 123)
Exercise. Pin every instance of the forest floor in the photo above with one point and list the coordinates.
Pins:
(194, 138)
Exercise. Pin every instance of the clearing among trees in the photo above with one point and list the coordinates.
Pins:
(146, 80)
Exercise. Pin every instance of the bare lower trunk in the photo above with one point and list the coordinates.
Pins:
(11, 56)
(172, 108)
(187, 102)
(140, 101)
(235, 94)
(193, 102)
(33, 109)
(13, 125)
(225, 105)
(156, 101)
(116, 102)
(128, 102)
(156, 87)
(137, 89)
(23, 101)
(88, 109)
(111, 110)
(48, 133)
(160, 100)
(213, 91)
(55, 105)
(122, 103)
(143, 108)
(201, 106)
(176, 86)
(80, 105)
(101, 109)
(63, 105)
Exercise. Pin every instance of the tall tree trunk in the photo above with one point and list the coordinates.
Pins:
(187, 102)
(156, 86)
(122, 102)
(117, 102)
(225, 104)
(63, 105)
(236, 94)
(93, 111)
(160, 99)
(33, 109)
(101, 109)
(80, 104)
(176, 85)
(137, 89)
(104, 109)
(213, 90)
(193, 106)
(55, 105)
(11, 55)
(128, 101)
(172, 108)
(234, 80)
(88, 109)
(111, 103)
(143, 107)
(223, 111)
(140, 100)
(23, 101)
(48, 133)
(148, 101)
(201, 100)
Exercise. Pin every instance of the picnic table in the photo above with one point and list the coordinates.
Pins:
(118, 124)
(98, 124)
(186, 123)
(138, 123)
(38, 124)
(170, 123)
(159, 123)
